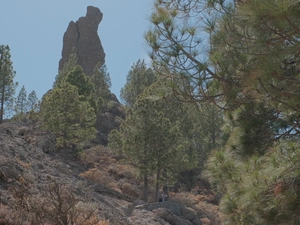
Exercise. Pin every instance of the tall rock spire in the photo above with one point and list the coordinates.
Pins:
(82, 38)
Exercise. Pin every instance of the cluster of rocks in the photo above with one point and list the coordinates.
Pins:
(167, 212)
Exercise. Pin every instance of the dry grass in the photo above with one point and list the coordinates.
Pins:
(10, 216)
(23, 164)
(100, 177)
(210, 214)
(130, 190)
(42, 209)
(103, 222)
(97, 154)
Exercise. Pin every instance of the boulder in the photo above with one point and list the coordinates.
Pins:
(108, 119)
(170, 217)
(172, 212)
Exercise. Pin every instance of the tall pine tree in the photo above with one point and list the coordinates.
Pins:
(7, 85)
(63, 113)
(138, 78)
(102, 83)
(21, 102)
(244, 57)
(32, 101)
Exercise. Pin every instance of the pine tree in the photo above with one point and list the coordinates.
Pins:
(7, 85)
(102, 83)
(83, 82)
(244, 57)
(21, 102)
(71, 119)
(152, 140)
(32, 101)
(138, 78)
(68, 66)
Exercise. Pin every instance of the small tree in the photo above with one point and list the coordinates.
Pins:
(69, 118)
(83, 82)
(102, 84)
(7, 85)
(138, 78)
(21, 102)
(32, 101)
(68, 66)
(152, 141)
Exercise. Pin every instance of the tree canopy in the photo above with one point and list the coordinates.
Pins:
(102, 84)
(242, 56)
(152, 142)
(63, 113)
(138, 78)
(21, 101)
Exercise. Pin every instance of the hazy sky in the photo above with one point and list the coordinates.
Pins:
(34, 31)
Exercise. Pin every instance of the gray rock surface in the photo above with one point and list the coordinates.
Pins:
(109, 119)
(171, 218)
(171, 212)
(82, 38)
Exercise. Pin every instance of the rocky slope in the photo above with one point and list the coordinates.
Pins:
(29, 166)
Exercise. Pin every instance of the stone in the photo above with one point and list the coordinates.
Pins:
(170, 217)
(82, 39)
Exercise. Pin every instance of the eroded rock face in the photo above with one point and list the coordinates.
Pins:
(82, 38)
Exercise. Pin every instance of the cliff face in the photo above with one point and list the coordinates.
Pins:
(82, 38)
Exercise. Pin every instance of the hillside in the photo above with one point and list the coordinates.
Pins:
(36, 182)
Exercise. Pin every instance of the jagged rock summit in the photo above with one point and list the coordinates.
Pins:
(82, 38)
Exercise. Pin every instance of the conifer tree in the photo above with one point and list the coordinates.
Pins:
(32, 101)
(102, 83)
(138, 78)
(68, 66)
(252, 71)
(86, 88)
(83, 82)
(7, 85)
(21, 102)
(152, 140)
(71, 119)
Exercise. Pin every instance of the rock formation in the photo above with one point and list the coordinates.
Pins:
(109, 119)
(82, 38)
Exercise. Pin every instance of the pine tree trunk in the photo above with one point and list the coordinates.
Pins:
(2, 106)
(145, 194)
(157, 184)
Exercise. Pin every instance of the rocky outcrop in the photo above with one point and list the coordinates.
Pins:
(82, 38)
(171, 212)
(109, 119)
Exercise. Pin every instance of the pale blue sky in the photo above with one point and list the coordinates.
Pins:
(34, 31)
